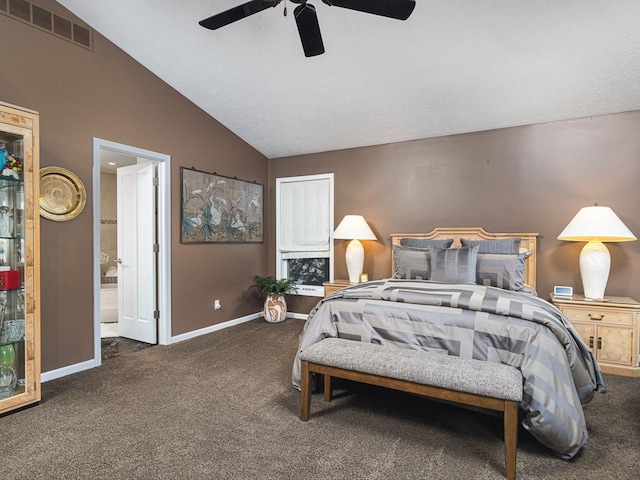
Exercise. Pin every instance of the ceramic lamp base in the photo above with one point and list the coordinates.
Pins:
(355, 260)
(595, 262)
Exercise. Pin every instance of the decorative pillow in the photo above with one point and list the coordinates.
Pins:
(426, 242)
(502, 271)
(454, 265)
(510, 246)
(411, 263)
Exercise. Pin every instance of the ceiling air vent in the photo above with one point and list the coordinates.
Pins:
(62, 27)
(43, 19)
(20, 9)
(82, 35)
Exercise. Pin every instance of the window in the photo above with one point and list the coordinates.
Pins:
(304, 223)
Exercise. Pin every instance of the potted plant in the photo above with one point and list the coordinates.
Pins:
(275, 305)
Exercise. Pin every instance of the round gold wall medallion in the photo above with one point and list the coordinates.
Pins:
(62, 194)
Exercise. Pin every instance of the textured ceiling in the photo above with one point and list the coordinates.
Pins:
(454, 66)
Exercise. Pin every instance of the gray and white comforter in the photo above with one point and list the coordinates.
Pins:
(559, 372)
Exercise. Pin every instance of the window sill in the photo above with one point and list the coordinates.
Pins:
(309, 291)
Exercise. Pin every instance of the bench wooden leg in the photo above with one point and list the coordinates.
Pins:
(510, 438)
(327, 387)
(305, 392)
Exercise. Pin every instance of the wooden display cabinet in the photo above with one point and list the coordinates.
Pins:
(19, 258)
(609, 327)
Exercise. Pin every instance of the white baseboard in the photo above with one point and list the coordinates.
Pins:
(214, 328)
(299, 316)
(68, 370)
(79, 367)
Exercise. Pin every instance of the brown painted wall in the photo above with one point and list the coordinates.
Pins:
(532, 178)
(525, 179)
(106, 94)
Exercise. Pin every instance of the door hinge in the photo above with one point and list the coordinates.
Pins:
(156, 182)
(156, 314)
(156, 247)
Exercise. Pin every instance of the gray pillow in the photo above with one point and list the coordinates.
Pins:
(411, 263)
(502, 271)
(500, 245)
(454, 265)
(426, 242)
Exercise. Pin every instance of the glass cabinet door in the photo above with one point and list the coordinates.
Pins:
(19, 327)
(12, 299)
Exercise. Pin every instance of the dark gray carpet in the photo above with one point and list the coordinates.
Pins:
(221, 406)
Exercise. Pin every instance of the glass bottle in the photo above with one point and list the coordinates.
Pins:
(8, 355)
(8, 381)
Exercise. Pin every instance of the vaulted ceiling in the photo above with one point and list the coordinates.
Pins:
(454, 66)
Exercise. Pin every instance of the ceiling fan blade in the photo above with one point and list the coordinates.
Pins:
(309, 30)
(399, 9)
(237, 13)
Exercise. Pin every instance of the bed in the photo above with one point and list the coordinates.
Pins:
(490, 311)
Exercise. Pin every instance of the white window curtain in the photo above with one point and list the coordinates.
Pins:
(305, 219)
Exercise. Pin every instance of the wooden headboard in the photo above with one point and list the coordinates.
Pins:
(529, 243)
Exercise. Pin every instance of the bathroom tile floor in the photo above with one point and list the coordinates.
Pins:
(109, 329)
(117, 346)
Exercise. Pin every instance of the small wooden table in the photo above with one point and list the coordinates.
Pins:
(332, 287)
(610, 327)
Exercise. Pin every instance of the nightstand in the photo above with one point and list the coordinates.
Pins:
(610, 328)
(332, 287)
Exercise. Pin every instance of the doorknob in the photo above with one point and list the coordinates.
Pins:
(119, 260)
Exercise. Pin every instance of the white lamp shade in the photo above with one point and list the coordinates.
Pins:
(596, 223)
(353, 227)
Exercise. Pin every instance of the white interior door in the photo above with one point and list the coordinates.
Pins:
(136, 255)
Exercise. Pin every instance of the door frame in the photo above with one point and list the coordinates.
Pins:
(163, 273)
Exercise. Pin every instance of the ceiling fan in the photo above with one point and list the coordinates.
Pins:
(306, 18)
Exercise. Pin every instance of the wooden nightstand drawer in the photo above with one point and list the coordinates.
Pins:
(610, 328)
(598, 315)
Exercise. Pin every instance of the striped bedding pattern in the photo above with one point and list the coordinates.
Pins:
(559, 372)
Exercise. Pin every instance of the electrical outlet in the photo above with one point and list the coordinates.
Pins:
(216, 304)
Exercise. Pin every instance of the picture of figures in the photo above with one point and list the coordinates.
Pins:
(218, 209)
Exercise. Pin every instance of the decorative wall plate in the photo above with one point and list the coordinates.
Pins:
(62, 194)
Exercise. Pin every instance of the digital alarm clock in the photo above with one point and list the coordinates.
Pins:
(562, 291)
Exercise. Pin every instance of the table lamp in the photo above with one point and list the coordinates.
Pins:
(595, 225)
(354, 228)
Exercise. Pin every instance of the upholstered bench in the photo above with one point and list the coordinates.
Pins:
(487, 385)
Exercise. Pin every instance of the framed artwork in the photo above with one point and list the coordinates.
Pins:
(218, 209)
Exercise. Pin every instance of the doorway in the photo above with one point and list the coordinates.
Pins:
(109, 160)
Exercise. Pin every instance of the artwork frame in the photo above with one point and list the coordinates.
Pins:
(219, 209)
